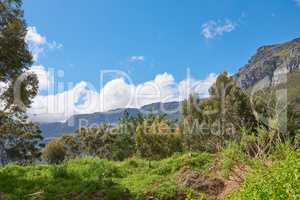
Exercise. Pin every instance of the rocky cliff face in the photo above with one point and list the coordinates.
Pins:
(270, 63)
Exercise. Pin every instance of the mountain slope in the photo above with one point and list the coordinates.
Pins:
(270, 63)
(49, 130)
(277, 65)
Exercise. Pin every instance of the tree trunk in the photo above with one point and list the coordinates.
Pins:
(3, 154)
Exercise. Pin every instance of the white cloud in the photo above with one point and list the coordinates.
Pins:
(61, 106)
(43, 75)
(34, 37)
(55, 45)
(38, 43)
(137, 58)
(117, 93)
(35, 42)
(212, 28)
(297, 2)
(200, 87)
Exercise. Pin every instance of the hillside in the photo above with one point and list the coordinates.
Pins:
(56, 129)
(181, 177)
(277, 65)
(270, 63)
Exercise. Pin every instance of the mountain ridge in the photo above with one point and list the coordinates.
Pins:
(55, 129)
(271, 63)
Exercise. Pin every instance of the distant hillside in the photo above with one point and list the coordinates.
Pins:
(49, 130)
(270, 63)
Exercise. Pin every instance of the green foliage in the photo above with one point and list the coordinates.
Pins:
(24, 139)
(280, 181)
(231, 155)
(104, 141)
(159, 178)
(158, 146)
(155, 139)
(262, 143)
(57, 182)
(190, 195)
(88, 175)
(59, 171)
(209, 123)
(12, 43)
(21, 86)
(54, 152)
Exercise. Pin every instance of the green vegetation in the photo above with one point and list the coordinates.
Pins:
(280, 181)
(54, 152)
(86, 176)
(20, 87)
(137, 178)
(229, 145)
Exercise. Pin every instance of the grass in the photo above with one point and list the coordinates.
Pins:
(138, 178)
(134, 177)
(281, 181)
(231, 155)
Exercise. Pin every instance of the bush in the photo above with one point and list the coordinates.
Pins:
(59, 172)
(281, 181)
(156, 146)
(54, 152)
(230, 156)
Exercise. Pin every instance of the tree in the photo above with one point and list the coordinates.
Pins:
(18, 138)
(124, 141)
(217, 94)
(155, 138)
(231, 105)
(209, 122)
(238, 109)
(15, 58)
(72, 145)
(190, 109)
(54, 152)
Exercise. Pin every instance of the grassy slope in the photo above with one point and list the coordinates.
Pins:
(139, 178)
(281, 181)
(87, 175)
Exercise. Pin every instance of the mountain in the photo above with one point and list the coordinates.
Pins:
(49, 130)
(270, 64)
(276, 65)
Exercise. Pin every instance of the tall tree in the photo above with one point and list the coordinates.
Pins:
(18, 87)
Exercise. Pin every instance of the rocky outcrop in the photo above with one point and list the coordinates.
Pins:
(270, 63)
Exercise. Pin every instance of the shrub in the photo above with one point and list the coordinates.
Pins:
(231, 155)
(155, 146)
(54, 152)
(281, 181)
(59, 172)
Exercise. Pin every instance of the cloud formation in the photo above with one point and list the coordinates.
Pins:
(83, 98)
(137, 58)
(44, 77)
(212, 29)
(38, 44)
(297, 2)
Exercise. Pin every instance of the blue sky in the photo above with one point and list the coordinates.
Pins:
(145, 38)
